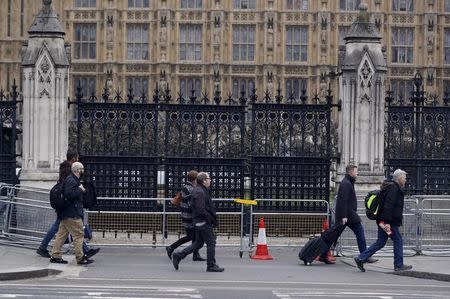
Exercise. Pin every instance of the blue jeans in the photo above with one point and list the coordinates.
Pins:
(358, 230)
(51, 234)
(396, 237)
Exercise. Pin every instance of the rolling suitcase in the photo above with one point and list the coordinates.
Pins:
(312, 249)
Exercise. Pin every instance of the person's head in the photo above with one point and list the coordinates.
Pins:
(352, 170)
(399, 176)
(204, 179)
(72, 156)
(192, 176)
(77, 169)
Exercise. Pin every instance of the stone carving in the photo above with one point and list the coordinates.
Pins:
(216, 37)
(365, 79)
(163, 37)
(270, 42)
(45, 78)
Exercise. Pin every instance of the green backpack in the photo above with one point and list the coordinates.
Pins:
(373, 202)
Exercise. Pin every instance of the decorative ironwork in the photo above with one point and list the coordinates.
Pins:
(8, 135)
(418, 140)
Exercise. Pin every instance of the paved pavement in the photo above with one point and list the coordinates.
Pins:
(21, 263)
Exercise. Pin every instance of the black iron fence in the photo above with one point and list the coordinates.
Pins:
(281, 147)
(418, 140)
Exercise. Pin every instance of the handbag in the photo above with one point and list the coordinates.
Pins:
(176, 201)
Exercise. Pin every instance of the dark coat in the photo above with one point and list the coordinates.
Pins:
(202, 206)
(185, 205)
(74, 199)
(392, 204)
(65, 169)
(346, 202)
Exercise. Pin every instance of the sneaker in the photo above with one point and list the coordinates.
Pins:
(403, 268)
(43, 253)
(91, 252)
(359, 264)
(214, 268)
(198, 258)
(56, 260)
(169, 251)
(85, 261)
(371, 260)
(176, 260)
(326, 261)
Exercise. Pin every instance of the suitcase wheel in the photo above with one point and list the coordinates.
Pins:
(307, 263)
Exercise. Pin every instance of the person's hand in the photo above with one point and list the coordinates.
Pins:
(82, 188)
(387, 228)
(344, 221)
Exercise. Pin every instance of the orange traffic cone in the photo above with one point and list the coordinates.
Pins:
(262, 252)
(330, 256)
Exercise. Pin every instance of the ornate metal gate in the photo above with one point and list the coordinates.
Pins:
(418, 140)
(8, 135)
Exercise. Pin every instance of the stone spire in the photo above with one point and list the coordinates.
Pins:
(363, 28)
(47, 21)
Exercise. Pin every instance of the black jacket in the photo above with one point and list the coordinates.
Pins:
(392, 204)
(202, 206)
(74, 199)
(346, 202)
(185, 205)
(65, 169)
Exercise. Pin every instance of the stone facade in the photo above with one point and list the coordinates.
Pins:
(324, 22)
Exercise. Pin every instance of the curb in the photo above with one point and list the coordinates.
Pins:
(424, 275)
(39, 273)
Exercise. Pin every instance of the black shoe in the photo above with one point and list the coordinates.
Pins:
(43, 253)
(85, 261)
(403, 268)
(326, 261)
(198, 258)
(372, 260)
(57, 260)
(360, 264)
(214, 268)
(169, 251)
(91, 252)
(176, 260)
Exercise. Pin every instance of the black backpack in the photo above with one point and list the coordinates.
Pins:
(57, 200)
(373, 203)
(90, 196)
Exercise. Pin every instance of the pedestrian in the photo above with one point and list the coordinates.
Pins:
(186, 217)
(204, 220)
(346, 212)
(389, 220)
(71, 217)
(64, 171)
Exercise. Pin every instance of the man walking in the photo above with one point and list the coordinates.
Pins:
(389, 220)
(71, 218)
(186, 217)
(204, 219)
(346, 211)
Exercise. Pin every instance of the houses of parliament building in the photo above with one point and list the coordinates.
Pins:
(230, 45)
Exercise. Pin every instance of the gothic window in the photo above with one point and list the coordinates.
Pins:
(447, 6)
(85, 41)
(139, 85)
(401, 89)
(244, 4)
(192, 4)
(297, 43)
(294, 87)
(342, 33)
(403, 5)
(349, 4)
(242, 84)
(138, 3)
(137, 41)
(447, 46)
(85, 3)
(402, 45)
(188, 84)
(9, 18)
(190, 42)
(446, 89)
(87, 84)
(243, 42)
(297, 4)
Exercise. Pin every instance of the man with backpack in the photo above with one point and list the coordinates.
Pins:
(186, 217)
(389, 219)
(64, 171)
(346, 212)
(71, 215)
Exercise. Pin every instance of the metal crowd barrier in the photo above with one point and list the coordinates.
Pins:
(347, 244)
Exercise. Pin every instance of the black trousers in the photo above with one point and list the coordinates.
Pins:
(204, 234)
(190, 236)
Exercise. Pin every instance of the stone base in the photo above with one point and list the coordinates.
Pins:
(39, 178)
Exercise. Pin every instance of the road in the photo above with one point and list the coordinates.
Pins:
(148, 273)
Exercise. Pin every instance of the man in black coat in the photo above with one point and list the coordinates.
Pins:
(389, 221)
(204, 219)
(71, 217)
(346, 211)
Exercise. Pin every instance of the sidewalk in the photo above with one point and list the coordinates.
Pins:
(23, 263)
